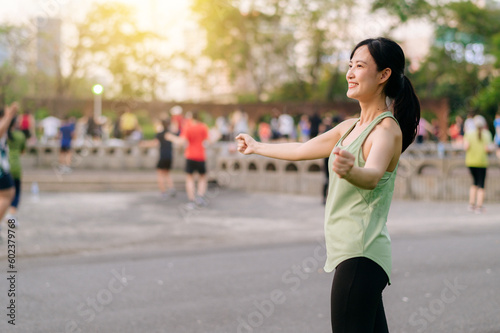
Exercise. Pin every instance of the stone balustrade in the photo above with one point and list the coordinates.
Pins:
(109, 157)
(425, 172)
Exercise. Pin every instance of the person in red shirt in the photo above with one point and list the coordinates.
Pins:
(196, 133)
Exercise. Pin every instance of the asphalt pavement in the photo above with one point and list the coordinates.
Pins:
(138, 262)
(59, 223)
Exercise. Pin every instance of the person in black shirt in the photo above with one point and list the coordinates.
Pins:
(315, 121)
(164, 165)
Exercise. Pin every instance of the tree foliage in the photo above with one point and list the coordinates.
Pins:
(459, 65)
(109, 42)
(275, 44)
(15, 41)
(106, 46)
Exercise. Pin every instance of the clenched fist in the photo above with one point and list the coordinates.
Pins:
(246, 144)
(343, 163)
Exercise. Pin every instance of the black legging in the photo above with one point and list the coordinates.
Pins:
(356, 302)
(478, 176)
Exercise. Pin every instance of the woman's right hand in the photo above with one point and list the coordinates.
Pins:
(11, 111)
(246, 144)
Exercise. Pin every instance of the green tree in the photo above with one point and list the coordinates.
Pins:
(249, 42)
(116, 45)
(276, 42)
(460, 64)
(16, 41)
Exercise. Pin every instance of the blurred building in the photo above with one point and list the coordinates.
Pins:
(48, 45)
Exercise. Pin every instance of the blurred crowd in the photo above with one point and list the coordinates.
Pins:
(194, 131)
(276, 126)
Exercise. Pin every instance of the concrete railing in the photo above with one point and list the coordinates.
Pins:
(425, 179)
(425, 172)
(109, 157)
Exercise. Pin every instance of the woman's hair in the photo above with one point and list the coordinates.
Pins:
(388, 54)
(166, 124)
(480, 124)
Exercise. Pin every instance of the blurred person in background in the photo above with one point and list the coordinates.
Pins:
(7, 189)
(222, 125)
(93, 129)
(117, 132)
(196, 135)
(177, 119)
(16, 140)
(275, 126)
(264, 130)
(496, 124)
(477, 145)
(423, 130)
(315, 121)
(128, 120)
(66, 135)
(27, 125)
(50, 126)
(239, 123)
(165, 141)
(469, 124)
(304, 128)
(456, 131)
(286, 126)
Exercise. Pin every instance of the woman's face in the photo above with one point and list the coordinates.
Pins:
(363, 77)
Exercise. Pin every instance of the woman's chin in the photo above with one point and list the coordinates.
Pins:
(350, 94)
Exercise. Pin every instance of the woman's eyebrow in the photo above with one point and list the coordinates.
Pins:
(364, 62)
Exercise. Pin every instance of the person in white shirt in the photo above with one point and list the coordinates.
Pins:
(286, 126)
(50, 126)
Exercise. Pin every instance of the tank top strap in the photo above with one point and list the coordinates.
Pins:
(361, 138)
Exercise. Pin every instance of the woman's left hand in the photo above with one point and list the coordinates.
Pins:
(343, 163)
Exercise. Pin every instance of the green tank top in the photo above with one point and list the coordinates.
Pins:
(355, 218)
(16, 147)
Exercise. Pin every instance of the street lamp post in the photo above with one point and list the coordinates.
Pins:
(97, 89)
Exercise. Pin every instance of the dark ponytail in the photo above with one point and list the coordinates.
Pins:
(407, 112)
(388, 54)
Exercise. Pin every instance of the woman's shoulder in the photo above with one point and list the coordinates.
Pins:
(390, 125)
(348, 123)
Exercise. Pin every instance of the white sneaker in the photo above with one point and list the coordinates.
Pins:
(172, 192)
(201, 201)
(190, 205)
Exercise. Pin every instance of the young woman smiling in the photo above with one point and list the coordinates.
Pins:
(364, 154)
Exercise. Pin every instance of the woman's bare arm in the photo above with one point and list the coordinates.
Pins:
(318, 147)
(384, 151)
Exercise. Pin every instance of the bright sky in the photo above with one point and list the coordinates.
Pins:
(169, 18)
(162, 16)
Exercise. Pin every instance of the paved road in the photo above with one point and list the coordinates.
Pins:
(132, 262)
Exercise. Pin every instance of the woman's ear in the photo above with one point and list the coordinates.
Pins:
(385, 75)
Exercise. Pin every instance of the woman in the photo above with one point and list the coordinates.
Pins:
(6, 181)
(477, 144)
(164, 139)
(17, 143)
(364, 154)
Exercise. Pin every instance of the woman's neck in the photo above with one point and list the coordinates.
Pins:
(371, 109)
